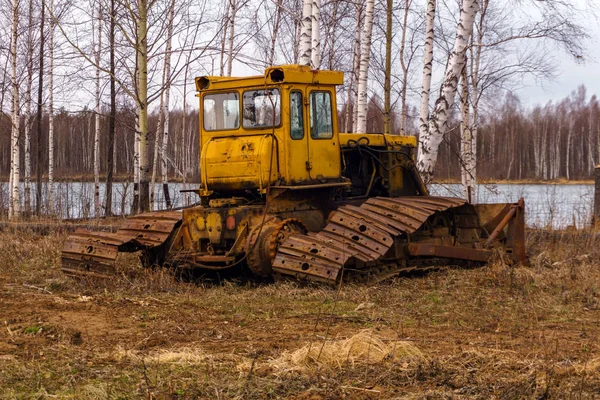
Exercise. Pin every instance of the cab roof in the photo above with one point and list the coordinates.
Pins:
(273, 75)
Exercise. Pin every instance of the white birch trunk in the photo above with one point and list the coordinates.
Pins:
(165, 111)
(430, 141)
(184, 134)
(136, 165)
(231, 36)
(466, 142)
(224, 39)
(316, 34)
(363, 76)
(14, 197)
(157, 138)
(306, 33)
(27, 177)
(51, 111)
(570, 126)
(427, 68)
(97, 203)
(142, 92)
(404, 67)
(276, 23)
(475, 64)
(356, 64)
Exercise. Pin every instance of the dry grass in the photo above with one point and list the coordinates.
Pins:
(361, 349)
(495, 332)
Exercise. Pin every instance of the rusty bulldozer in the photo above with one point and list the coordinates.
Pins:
(283, 192)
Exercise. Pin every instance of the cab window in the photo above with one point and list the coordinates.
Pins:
(221, 111)
(261, 108)
(296, 116)
(321, 122)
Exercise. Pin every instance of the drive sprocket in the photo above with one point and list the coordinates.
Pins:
(263, 242)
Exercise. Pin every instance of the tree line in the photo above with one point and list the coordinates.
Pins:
(130, 63)
(558, 140)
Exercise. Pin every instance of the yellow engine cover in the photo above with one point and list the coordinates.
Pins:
(239, 162)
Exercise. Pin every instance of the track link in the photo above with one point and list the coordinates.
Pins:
(94, 253)
(365, 234)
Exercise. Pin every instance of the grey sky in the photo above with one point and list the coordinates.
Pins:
(570, 74)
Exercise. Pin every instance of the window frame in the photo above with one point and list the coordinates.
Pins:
(332, 135)
(203, 111)
(303, 124)
(268, 126)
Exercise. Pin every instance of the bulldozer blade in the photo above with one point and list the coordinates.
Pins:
(505, 226)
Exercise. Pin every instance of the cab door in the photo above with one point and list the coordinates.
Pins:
(313, 148)
(297, 143)
(323, 140)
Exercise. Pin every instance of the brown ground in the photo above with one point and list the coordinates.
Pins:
(494, 332)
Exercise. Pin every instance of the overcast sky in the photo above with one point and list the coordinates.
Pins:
(570, 74)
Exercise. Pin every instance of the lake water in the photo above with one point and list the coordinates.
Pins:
(546, 204)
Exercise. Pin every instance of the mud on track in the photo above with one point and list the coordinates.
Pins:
(502, 332)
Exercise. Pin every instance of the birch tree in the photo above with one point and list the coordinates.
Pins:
(306, 33)
(28, 119)
(430, 140)
(404, 66)
(165, 110)
(51, 111)
(356, 64)
(427, 68)
(141, 50)
(14, 197)
(365, 57)
(234, 8)
(40, 93)
(113, 111)
(467, 159)
(224, 36)
(98, 50)
(387, 86)
(276, 23)
(315, 34)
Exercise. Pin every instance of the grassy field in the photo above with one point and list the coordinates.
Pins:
(493, 332)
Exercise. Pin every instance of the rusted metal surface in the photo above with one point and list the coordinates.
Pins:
(518, 234)
(507, 217)
(460, 253)
(364, 233)
(94, 253)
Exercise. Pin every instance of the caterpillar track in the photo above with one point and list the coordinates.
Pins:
(94, 253)
(372, 241)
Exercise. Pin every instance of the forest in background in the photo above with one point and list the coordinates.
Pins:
(105, 87)
(559, 140)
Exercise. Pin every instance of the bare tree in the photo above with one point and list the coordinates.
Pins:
(365, 56)
(427, 68)
(38, 154)
(98, 50)
(404, 66)
(387, 86)
(306, 33)
(28, 119)
(110, 167)
(51, 202)
(316, 34)
(356, 62)
(429, 141)
(14, 197)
